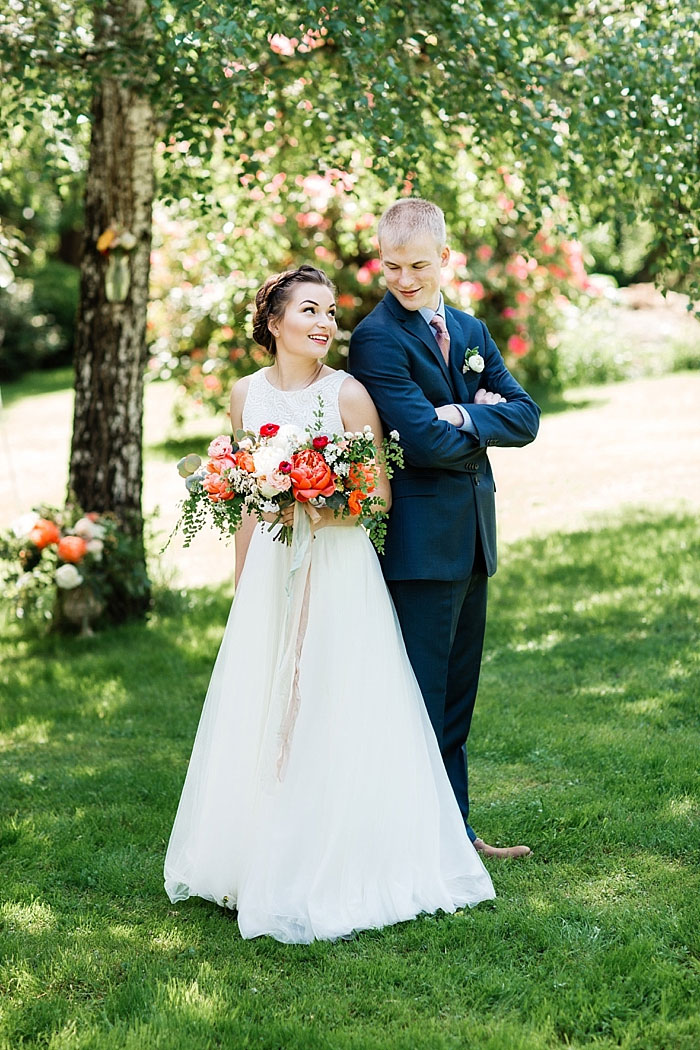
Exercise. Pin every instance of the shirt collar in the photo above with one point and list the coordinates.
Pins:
(427, 313)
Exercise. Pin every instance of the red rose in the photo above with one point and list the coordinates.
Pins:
(285, 467)
(320, 442)
(268, 430)
(311, 476)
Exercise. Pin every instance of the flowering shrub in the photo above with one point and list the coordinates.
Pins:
(204, 281)
(66, 567)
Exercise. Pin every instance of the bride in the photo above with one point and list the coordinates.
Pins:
(316, 802)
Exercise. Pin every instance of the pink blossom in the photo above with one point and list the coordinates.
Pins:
(520, 267)
(522, 298)
(365, 221)
(505, 203)
(474, 289)
(364, 275)
(484, 252)
(374, 265)
(309, 218)
(219, 447)
(275, 482)
(518, 346)
(558, 272)
(283, 45)
(509, 313)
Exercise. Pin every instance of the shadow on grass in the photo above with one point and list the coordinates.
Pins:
(175, 448)
(553, 402)
(35, 383)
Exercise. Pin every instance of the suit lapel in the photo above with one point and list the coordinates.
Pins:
(457, 351)
(414, 323)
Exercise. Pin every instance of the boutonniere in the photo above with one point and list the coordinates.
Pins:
(473, 361)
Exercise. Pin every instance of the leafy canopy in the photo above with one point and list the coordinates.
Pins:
(593, 101)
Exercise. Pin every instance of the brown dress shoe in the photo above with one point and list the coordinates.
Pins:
(502, 852)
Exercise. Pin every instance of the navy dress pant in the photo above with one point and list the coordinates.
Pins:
(443, 625)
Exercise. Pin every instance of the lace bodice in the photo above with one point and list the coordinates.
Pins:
(264, 403)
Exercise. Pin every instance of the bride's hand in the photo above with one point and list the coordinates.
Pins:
(285, 518)
(321, 517)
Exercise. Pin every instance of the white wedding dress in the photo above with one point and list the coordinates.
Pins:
(316, 802)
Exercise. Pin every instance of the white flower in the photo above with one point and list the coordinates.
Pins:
(394, 435)
(341, 469)
(88, 530)
(475, 362)
(245, 443)
(67, 577)
(348, 435)
(95, 547)
(269, 506)
(23, 525)
(266, 459)
(285, 440)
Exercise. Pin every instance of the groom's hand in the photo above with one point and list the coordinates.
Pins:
(450, 414)
(485, 397)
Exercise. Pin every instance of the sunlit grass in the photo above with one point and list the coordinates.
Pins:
(584, 745)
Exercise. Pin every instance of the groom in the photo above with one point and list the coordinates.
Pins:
(436, 376)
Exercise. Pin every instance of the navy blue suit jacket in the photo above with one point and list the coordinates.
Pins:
(445, 493)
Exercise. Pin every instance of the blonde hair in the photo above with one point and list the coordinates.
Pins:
(410, 218)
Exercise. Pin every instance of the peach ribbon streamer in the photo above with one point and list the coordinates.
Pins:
(286, 683)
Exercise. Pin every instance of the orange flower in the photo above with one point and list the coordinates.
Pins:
(220, 464)
(311, 476)
(44, 532)
(217, 488)
(363, 475)
(355, 500)
(71, 549)
(244, 460)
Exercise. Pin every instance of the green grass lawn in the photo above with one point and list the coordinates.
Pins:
(585, 745)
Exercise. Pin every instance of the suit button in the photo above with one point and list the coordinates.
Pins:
(476, 479)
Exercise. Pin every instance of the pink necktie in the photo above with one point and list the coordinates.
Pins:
(443, 336)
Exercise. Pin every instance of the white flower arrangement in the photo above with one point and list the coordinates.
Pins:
(473, 361)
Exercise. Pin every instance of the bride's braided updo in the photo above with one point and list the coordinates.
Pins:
(271, 300)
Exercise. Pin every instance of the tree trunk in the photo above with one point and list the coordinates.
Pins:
(110, 352)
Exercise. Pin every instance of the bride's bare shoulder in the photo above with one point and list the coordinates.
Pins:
(353, 394)
(238, 396)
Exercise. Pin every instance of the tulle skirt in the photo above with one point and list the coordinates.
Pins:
(317, 805)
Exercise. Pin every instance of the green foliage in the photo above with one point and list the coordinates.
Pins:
(601, 109)
(584, 744)
(37, 319)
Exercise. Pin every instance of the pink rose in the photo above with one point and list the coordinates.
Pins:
(220, 446)
(274, 483)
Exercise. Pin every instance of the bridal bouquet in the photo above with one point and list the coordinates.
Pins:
(266, 472)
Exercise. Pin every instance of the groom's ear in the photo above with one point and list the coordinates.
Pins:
(444, 256)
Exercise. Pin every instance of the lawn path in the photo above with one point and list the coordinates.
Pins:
(624, 444)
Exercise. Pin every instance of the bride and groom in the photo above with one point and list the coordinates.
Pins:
(367, 821)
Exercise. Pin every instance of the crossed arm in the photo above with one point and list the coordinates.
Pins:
(502, 415)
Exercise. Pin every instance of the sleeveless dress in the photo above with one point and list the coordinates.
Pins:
(316, 802)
